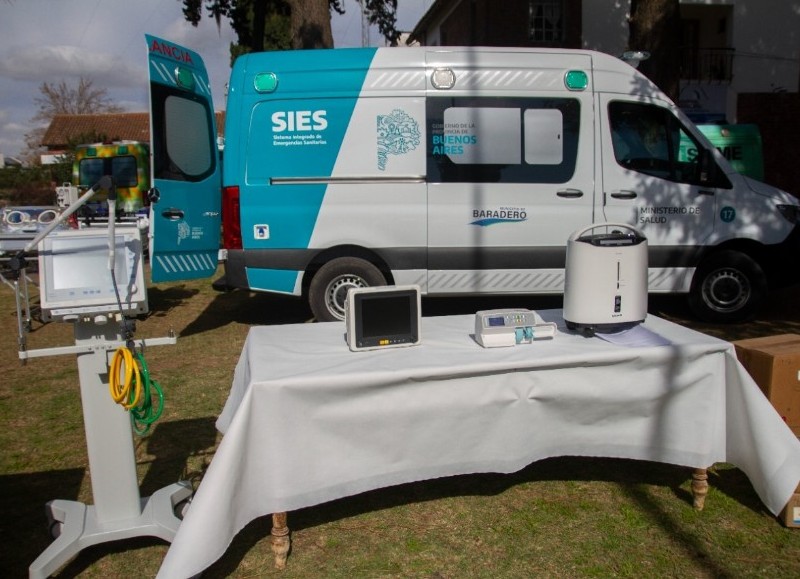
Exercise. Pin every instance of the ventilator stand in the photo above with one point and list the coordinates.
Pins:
(118, 511)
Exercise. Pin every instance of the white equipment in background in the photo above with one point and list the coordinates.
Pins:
(605, 286)
(67, 195)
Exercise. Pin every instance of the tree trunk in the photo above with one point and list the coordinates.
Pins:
(311, 24)
(655, 26)
(259, 24)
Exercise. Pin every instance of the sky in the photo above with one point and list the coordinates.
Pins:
(103, 40)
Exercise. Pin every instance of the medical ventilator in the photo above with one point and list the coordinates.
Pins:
(95, 280)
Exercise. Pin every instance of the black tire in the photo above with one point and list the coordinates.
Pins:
(182, 507)
(329, 287)
(55, 528)
(728, 287)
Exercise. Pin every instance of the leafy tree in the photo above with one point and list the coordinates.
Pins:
(63, 98)
(655, 26)
(285, 24)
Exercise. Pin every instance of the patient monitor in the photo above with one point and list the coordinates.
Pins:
(383, 317)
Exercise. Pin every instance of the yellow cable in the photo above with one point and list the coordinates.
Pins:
(120, 391)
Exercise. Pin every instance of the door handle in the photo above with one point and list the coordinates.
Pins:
(705, 192)
(624, 194)
(172, 214)
(570, 193)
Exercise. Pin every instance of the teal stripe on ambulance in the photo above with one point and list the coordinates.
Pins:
(276, 280)
(277, 148)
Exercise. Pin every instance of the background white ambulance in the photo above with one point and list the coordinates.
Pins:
(461, 170)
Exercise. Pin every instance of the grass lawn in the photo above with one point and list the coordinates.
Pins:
(565, 517)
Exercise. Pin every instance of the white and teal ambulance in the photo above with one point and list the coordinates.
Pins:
(461, 170)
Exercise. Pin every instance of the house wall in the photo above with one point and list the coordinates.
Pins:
(605, 26)
(494, 23)
(766, 36)
(778, 118)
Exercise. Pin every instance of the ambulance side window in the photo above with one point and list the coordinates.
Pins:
(649, 139)
(502, 140)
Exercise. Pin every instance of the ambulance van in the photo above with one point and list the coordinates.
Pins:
(128, 162)
(461, 170)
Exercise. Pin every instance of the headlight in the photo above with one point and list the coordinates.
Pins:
(790, 212)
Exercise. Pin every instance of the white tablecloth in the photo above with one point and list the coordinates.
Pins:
(307, 421)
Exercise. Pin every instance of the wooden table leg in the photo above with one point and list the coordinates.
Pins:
(281, 541)
(699, 487)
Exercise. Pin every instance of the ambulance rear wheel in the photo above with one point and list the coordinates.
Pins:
(727, 287)
(329, 287)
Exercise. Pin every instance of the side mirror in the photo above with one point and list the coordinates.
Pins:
(707, 168)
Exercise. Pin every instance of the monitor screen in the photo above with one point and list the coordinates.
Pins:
(383, 317)
(75, 278)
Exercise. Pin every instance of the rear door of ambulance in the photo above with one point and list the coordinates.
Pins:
(186, 176)
(510, 168)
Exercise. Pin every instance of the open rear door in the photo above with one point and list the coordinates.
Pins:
(185, 199)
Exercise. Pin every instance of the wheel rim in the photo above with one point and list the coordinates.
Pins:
(336, 292)
(726, 290)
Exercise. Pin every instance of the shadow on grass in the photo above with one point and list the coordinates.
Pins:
(24, 496)
(163, 300)
(22, 501)
(730, 481)
(172, 444)
(630, 476)
(237, 306)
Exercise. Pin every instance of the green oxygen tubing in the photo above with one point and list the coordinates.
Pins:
(131, 387)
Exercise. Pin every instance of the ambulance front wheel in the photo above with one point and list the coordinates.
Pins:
(329, 287)
(727, 287)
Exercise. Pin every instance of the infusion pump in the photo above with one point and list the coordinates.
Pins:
(509, 327)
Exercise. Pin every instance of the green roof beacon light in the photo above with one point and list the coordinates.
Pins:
(184, 78)
(576, 80)
(266, 82)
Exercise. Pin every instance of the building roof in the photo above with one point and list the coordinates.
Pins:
(114, 126)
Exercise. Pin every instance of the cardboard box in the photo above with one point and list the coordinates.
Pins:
(791, 514)
(774, 364)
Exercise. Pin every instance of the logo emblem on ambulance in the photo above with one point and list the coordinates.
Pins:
(261, 231)
(486, 217)
(398, 133)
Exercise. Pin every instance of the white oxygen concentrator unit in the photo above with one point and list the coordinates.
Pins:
(605, 286)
